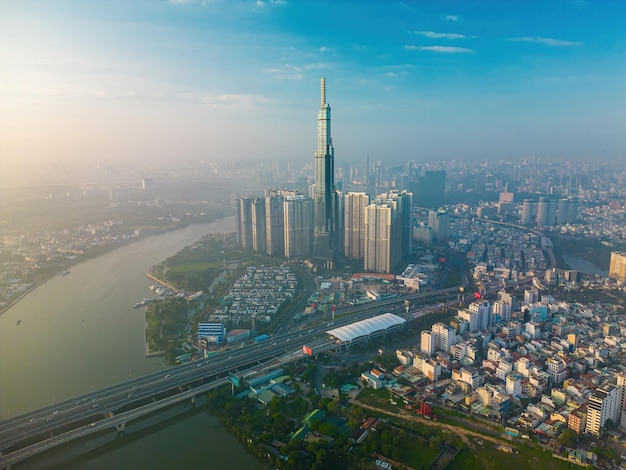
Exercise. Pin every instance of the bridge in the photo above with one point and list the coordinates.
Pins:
(31, 433)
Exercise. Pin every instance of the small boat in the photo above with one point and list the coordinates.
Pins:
(18, 322)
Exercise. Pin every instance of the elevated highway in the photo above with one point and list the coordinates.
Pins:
(30, 433)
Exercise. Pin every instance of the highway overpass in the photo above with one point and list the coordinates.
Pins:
(30, 433)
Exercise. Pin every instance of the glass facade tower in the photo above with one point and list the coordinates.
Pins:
(325, 196)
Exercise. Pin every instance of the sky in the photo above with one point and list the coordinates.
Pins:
(120, 82)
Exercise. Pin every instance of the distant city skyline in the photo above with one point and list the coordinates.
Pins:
(124, 83)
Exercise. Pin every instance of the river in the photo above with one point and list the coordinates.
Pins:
(79, 332)
(584, 265)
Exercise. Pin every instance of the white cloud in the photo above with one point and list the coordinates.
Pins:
(432, 34)
(228, 100)
(452, 18)
(294, 72)
(547, 41)
(441, 49)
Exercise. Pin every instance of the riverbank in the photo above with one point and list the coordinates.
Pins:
(99, 252)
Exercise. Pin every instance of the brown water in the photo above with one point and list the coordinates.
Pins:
(79, 332)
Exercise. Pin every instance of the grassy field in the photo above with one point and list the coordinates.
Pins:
(483, 455)
(488, 457)
(416, 455)
(194, 267)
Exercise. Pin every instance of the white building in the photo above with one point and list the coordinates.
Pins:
(427, 343)
(503, 310)
(431, 369)
(445, 336)
(471, 376)
(531, 297)
(533, 329)
(604, 404)
(514, 385)
(504, 369)
(458, 351)
(472, 318)
(557, 370)
(483, 309)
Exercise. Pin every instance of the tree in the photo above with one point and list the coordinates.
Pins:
(568, 437)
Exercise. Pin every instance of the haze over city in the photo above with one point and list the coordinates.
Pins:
(119, 83)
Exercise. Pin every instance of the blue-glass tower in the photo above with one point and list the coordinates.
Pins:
(324, 196)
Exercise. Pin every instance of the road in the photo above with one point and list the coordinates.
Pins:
(26, 434)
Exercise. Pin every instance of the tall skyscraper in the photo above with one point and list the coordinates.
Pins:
(429, 189)
(298, 222)
(244, 221)
(275, 224)
(325, 197)
(354, 223)
(380, 219)
(527, 212)
(258, 225)
(439, 222)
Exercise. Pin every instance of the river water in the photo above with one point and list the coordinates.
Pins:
(584, 265)
(79, 332)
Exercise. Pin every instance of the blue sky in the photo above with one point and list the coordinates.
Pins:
(154, 80)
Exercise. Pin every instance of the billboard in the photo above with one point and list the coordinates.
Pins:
(307, 350)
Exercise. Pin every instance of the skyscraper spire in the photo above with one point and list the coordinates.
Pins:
(325, 196)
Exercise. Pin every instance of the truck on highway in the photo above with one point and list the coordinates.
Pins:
(260, 338)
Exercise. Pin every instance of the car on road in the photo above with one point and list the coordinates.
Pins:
(167, 375)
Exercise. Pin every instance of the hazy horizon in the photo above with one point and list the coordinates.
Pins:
(132, 83)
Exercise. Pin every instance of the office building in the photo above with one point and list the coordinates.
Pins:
(354, 224)
(325, 197)
(617, 267)
(211, 333)
(298, 227)
(429, 189)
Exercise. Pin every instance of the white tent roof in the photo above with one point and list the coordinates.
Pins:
(366, 327)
